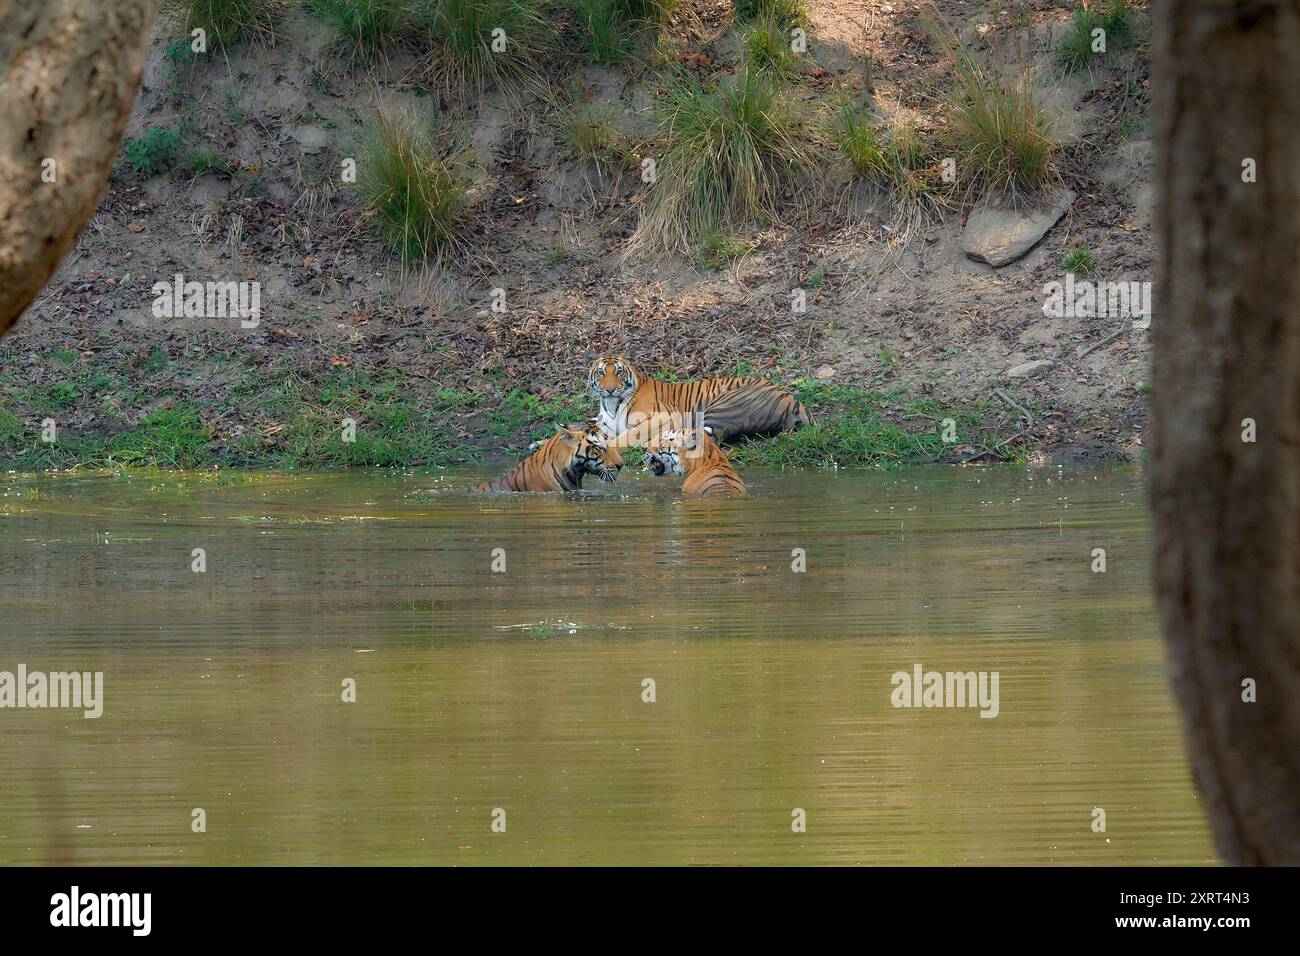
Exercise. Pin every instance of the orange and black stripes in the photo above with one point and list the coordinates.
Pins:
(629, 398)
(561, 463)
(759, 409)
(693, 453)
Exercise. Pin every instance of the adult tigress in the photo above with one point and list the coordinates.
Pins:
(759, 409)
(634, 407)
(691, 452)
(561, 463)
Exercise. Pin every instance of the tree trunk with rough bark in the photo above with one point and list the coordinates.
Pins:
(69, 71)
(1226, 328)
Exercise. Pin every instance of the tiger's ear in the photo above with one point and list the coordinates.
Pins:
(565, 435)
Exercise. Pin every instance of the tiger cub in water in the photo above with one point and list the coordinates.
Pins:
(693, 453)
(561, 463)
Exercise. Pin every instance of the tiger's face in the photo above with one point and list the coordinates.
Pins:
(664, 455)
(590, 454)
(614, 379)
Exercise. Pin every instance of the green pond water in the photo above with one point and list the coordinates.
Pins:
(519, 696)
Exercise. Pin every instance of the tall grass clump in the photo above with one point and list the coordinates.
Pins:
(767, 45)
(1002, 139)
(608, 27)
(605, 29)
(1074, 49)
(228, 21)
(732, 148)
(785, 12)
(365, 27)
(416, 186)
(648, 11)
(897, 157)
(461, 33)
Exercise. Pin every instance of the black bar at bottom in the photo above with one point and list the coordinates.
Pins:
(337, 905)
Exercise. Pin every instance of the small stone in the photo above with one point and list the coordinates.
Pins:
(135, 227)
(1029, 369)
(824, 374)
(311, 138)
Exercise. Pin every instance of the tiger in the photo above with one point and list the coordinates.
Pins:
(761, 409)
(629, 399)
(561, 463)
(693, 453)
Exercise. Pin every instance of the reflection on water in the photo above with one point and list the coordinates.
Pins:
(523, 690)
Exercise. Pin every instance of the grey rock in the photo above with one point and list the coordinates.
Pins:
(998, 235)
(1029, 369)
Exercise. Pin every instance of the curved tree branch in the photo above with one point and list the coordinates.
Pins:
(69, 71)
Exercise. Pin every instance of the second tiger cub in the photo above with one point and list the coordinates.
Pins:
(691, 452)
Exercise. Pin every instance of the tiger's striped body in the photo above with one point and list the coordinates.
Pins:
(758, 409)
(691, 452)
(561, 463)
(634, 407)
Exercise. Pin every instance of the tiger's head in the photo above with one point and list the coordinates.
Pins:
(588, 452)
(614, 379)
(664, 455)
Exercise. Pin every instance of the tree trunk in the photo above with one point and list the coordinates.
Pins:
(69, 71)
(1226, 328)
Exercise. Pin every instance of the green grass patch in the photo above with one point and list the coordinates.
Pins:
(201, 160)
(898, 158)
(165, 438)
(1077, 46)
(226, 22)
(785, 12)
(366, 28)
(605, 29)
(521, 411)
(168, 437)
(608, 29)
(719, 250)
(461, 35)
(857, 427)
(732, 148)
(766, 42)
(1080, 261)
(415, 184)
(153, 152)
